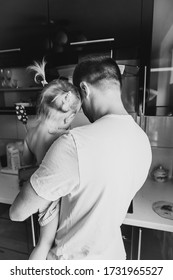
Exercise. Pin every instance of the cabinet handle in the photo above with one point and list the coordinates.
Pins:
(144, 90)
(142, 117)
(139, 244)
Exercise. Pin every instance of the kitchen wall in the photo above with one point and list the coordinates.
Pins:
(160, 133)
(11, 129)
(159, 129)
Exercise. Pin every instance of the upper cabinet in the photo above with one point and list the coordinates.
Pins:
(159, 72)
(30, 29)
(23, 31)
(75, 21)
(142, 31)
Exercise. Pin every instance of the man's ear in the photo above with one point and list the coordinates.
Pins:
(85, 89)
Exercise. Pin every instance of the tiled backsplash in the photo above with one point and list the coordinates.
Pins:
(12, 129)
(162, 157)
(160, 131)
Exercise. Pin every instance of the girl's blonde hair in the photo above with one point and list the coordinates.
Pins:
(51, 98)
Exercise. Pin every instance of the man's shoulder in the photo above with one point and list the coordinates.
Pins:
(63, 143)
(80, 129)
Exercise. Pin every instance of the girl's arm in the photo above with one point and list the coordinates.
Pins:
(46, 239)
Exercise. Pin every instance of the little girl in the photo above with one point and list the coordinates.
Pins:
(58, 105)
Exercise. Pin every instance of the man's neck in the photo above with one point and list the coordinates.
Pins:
(108, 103)
(110, 111)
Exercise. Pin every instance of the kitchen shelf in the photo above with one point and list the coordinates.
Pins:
(20, 89)
(10, 96)
(12, 111)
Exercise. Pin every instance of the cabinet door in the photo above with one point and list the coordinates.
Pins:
(76, 21)
(24, 31)
(27, 97)
(15, 237)
(159, 93)
(127, 239)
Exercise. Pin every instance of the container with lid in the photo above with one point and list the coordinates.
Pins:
(14, 151)
(160, 174)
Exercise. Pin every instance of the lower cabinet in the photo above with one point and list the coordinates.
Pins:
(165, 241)
(8, 254)
(15, 237)
(155, 244)
(127, 239)
(16, 242)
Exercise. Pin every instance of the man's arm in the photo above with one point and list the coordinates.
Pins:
(57, 176)
(27, 203)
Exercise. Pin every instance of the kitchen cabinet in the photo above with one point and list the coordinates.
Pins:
(17, 85)
(152, 243)
(148, 224)
(15, 237)
(127, 232)
(158, 92)
(97, 20)
(47, 27)
(26, 96)
(24, 32)
(146, 234)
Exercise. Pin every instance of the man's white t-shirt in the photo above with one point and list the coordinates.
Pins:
(96, 170)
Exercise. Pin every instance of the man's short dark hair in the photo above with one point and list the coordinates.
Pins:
(96, 69)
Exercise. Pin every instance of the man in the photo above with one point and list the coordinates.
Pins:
(96, 170)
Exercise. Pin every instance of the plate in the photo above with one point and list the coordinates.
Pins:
(164, 209)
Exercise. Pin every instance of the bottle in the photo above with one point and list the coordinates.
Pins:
(13, 156)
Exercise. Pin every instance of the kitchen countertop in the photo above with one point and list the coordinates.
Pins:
(143, 214)
(9, 188)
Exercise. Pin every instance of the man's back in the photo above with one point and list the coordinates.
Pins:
(114, 157)
(95, 170)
